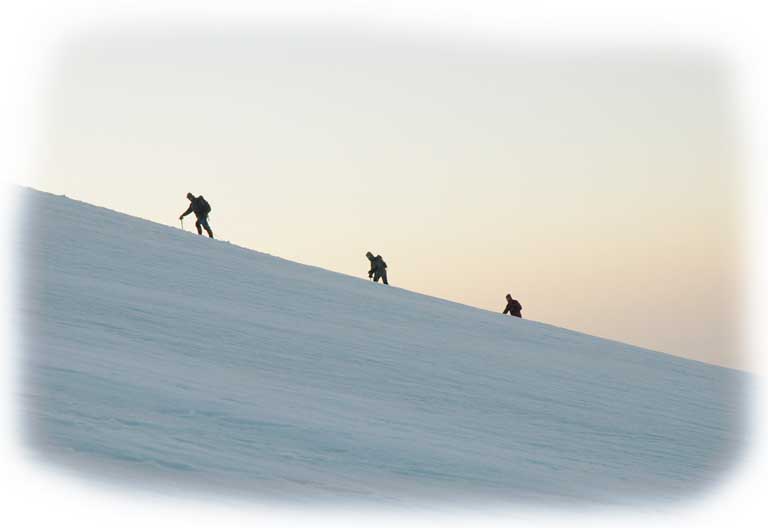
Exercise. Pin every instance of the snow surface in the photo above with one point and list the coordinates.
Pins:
(157, 358)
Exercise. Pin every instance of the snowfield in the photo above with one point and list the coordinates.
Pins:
(156, 358)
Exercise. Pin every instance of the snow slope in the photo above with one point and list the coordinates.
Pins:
(157, 358)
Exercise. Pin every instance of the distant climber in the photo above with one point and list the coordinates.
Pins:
(514, 308)
(378, 268)
(201, 208)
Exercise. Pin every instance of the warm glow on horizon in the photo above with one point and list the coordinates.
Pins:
(599, 189)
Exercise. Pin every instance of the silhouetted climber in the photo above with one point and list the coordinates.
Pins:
(201, 208)
(513, 307)
(378, 268)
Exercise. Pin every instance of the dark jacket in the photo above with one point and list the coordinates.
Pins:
(377, 265)
(514, 308)
(196, 206)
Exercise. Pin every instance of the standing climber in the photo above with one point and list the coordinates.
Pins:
(378, 268)
(514, 308)
(201, 208)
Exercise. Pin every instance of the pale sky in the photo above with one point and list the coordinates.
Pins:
(600, 188)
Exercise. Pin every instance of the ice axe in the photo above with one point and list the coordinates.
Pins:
(182, 223)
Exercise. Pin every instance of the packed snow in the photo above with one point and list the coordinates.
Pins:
(160, 359)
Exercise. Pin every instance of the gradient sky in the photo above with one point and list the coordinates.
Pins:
(598, 187)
